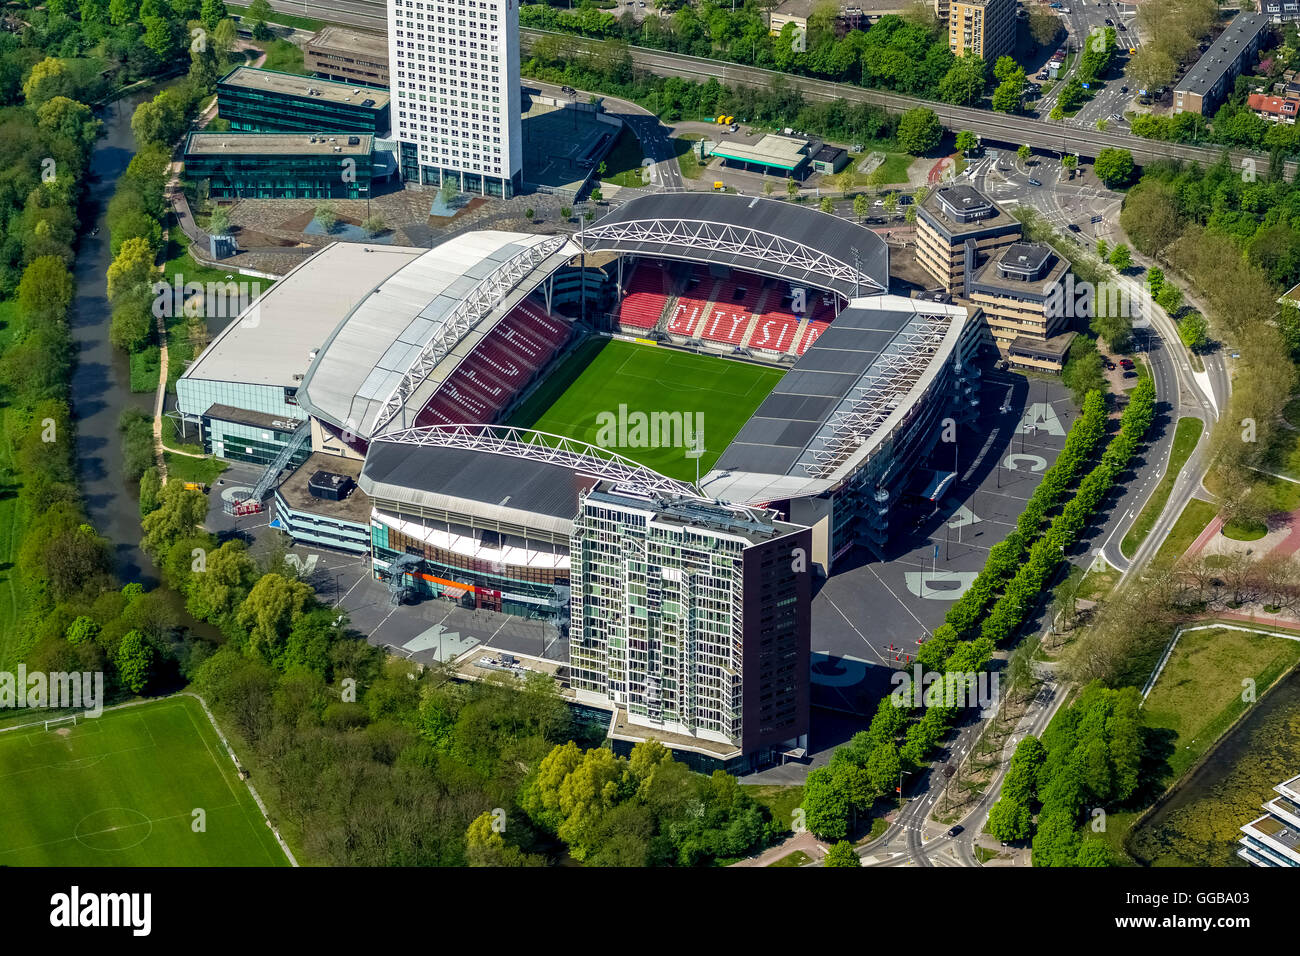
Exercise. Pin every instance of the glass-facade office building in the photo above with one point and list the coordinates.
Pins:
(266, 101)
(281, 165)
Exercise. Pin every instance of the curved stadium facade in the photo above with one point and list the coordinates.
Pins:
(460, 387)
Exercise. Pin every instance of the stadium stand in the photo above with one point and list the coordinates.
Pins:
(699, 292)
(646, 298)
(503, 363)
(732, 310)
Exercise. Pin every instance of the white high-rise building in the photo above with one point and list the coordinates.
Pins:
(454, 68)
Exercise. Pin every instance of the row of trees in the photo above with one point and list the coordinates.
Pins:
(1087, 764)
(899, 738)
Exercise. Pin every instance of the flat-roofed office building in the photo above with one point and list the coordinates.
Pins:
(1020, 291)
(957, 228)
(266, 101)
(349, 56)
(281, 165)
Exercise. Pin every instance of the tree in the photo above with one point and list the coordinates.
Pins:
(1023, 151)
(1010, 821)
(134, 661)
(566, 213)
(45, 290)
(1103, 250)
(179, 514)
(529, 213)
(374, 225)
(1193, 331)
(1008, 96)
(791, 187)
(162, 36)
(861, 206)
(214, 11)
(963, 84)
(841, 854)
(228, 574)
(1005, 68)
(67, 117)
(826, 808)
(49, 78)
(1120, 257)
(269, 613)
(132, 267)
(1114, 167)
(219, 222)
(827, 204)
(326, 216)
(891, 204)
(919, 130)
(1071, 163)
(966, 141)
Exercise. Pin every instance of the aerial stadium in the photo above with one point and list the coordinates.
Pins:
(700, 383)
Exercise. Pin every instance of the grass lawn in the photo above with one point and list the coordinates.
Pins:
(780, 801)
(185, 468)
(684, 149)
(623, 164)
(1245, 529)
(288, 19)
(797, 858)
(651, 380)
(145, 368)
(1198, 694)
(1186, 435)
(1196, 515)
(121, 789)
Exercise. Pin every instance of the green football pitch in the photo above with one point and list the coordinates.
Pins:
(122, 789)
(604, 374)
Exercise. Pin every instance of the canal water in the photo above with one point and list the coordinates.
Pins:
(101, 383)
(1198, 824)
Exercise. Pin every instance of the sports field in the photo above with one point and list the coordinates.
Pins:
(605, 374)
(121, 790)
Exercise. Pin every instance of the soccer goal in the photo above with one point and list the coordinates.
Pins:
(61, 721)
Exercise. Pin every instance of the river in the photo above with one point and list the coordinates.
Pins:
(1198, 824)
(101, 385)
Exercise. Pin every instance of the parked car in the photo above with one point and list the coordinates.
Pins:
(1126, 363)
(1110, 366)
(1130, 374)
(1123, 89)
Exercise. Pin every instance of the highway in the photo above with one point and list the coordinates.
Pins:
(993, 127)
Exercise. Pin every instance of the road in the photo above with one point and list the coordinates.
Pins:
(1181, 390)
(993, 127)
(914, 840)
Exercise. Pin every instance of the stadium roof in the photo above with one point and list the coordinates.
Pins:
(767, 236)
(520, 491)
(381, 353)
(272, 341)
(833, 408)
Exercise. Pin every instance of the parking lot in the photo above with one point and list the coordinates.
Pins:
(868, 617)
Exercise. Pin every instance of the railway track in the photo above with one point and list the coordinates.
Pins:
(993, 127)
